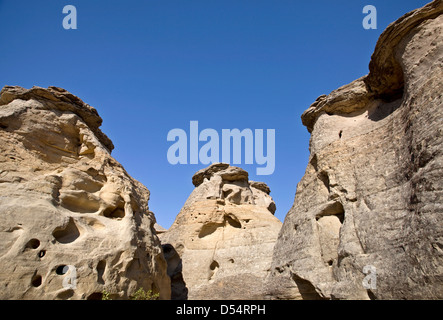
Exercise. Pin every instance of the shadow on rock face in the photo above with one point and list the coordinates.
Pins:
(179, 291)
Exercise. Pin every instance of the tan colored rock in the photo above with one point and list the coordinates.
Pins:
(220, 244)
(159, 229)
(67, 207)
(372, 194)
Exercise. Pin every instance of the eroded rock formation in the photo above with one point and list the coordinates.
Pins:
(372, 194)
(220, 245)
(66, 206)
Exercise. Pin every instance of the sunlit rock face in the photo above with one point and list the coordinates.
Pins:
(220, 244)
(72, 221)
(372, 194)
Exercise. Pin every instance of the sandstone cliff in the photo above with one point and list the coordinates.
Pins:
(372, 194)
(220, 245)
(72, 221)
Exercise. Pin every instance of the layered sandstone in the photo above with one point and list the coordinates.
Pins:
(372, 194)
(220, 244)
(72, 221)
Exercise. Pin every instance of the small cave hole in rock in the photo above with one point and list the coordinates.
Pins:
(68, 233)
(340, 134)
(226, 193)
(332, 209)
(117, 213)
(36, 280)
(95, 296)
(233, 222)
(62, 269)
(42, 253)
(33, 244)
(65, 295)
(330, 263)
(213, 267)
(231, 260)
(208, 229)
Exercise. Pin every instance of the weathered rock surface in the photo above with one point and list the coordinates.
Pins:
(220, 245)
(65, 203)
(372, 194)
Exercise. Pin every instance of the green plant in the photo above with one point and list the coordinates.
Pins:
(141, 294)
(106, 295)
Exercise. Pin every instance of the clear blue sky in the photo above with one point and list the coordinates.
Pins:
(151, 66)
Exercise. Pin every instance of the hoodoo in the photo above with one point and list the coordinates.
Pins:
(372, 194)
(73, 223)
(220, 245)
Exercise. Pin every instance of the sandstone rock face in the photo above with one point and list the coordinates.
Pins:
(72, 221)
(372, 194)
(220, 245)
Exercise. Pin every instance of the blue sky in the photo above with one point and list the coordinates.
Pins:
(152, 66)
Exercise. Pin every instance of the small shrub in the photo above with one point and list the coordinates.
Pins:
(141, 294)
(106, 295)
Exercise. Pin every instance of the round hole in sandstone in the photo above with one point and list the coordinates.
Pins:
(33, 244)
(36, 280)
(114, 213)
(62, 269)
(67, 233)
(231, 260)
(214, 265)
(330, 262)
(42, 253)
(213, 270)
